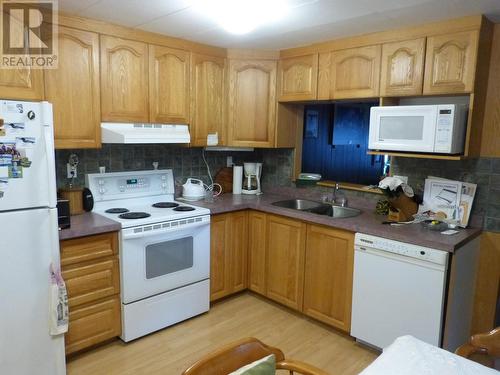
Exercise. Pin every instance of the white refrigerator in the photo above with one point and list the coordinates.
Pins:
(29, 241)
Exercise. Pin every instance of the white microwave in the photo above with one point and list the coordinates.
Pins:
(436, 129)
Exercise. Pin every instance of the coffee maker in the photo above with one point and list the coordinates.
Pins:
(251, 178)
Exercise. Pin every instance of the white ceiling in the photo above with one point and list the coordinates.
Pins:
(308, 21)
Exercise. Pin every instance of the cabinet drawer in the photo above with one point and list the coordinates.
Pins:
(92, 281)
(88, 248)
(92, 324)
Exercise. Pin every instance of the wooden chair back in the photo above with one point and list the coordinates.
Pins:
(482, 343)
(231, 357)
(243, 352)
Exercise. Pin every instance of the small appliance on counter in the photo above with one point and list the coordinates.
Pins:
(63, 214)
(251, 180)
(193, 190)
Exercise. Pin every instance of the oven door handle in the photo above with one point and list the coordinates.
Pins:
(150, 230)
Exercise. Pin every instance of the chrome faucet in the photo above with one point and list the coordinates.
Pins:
(339, 197)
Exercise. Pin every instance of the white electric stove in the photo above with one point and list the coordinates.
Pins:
(164, 249)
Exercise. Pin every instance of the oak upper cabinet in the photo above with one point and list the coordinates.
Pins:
(402, 71)
(328, 275)
(450, 63)
(257, 229)
(298, 78)
(21, 84)
(252, 103)
(168, 85)
(285, 260)
(124, 80)
(228, 254)
(73, 89)
(355, 73)
(208, 77)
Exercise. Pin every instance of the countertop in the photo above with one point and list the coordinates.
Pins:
(88, 224)
(368, 222)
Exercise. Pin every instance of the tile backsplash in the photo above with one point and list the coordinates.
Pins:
(185, 162)
(485, 172)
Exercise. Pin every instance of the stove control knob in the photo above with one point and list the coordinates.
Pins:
(164, 185)
(122, 188)
(163, 177)
(101, 182)
(102, 190)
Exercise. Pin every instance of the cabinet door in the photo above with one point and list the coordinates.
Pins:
(92, 324)
(450, 63)
(220, 278)
(73, 89)
(328, 275)
(238, 254)
(257, 225)
(285, 261)
(208, 75)
(298, 78)
(355, 73)
(21, 84)
(252, 103)
(124, 80)
(324, 75)
(402, 68)
(168, 85)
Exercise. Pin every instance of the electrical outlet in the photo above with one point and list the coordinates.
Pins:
(71, 171)
(229, 161)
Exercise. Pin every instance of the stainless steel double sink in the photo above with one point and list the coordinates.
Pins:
(318, 208)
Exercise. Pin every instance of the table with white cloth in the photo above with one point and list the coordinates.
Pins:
(410, 356)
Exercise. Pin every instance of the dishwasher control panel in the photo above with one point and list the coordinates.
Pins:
(364, 241)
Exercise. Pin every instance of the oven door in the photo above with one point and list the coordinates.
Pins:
(403, 128)
(159, 260)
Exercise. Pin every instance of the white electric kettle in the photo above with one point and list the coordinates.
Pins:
(193, 189)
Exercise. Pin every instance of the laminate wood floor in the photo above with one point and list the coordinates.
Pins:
(173, 349)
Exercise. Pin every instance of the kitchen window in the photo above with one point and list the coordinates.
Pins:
(335, 143)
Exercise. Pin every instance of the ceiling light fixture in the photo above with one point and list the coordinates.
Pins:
(242, 16)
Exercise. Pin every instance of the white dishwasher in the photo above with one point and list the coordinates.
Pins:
(398, 289)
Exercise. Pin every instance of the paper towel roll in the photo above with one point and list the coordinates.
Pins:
(237, 179)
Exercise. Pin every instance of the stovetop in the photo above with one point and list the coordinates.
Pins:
(145, 206)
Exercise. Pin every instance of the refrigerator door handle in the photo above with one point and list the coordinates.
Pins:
(48, 131)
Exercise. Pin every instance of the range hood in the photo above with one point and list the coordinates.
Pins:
(144, 133)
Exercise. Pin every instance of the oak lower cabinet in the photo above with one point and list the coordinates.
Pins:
(124, 80)
(450, 63)
(350, 73)
(90, 268)
(257, 235)
(228, 254)
(208, 95)
(169, 99)
(402, 72)
(252, 103)
(328, 275)
(285, 246)
(74, 90)
(298, 78)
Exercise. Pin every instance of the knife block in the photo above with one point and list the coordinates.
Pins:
(74, 196)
